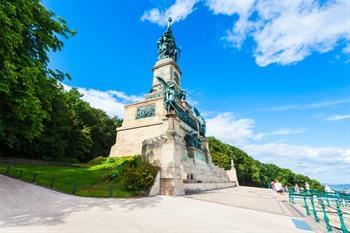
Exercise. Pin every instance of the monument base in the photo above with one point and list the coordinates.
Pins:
(199, 187)
(171, 187)
(183, 167)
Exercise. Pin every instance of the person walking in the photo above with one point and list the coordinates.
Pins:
(296, 189)
(273, 185)
(307, 187)
(279, 189)
(328, 189)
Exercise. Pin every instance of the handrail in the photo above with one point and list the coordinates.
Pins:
(339, 199)
(54, 183)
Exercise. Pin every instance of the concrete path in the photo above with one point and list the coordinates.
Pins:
(249, 198)
(32, 209)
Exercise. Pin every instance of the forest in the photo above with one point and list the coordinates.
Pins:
(38, 118)
(252, 172)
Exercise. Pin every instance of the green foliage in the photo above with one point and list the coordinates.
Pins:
(137, 174)
(221, 160)
(27, 86)
(38, 118)
(88, 177)
(252, 172)
(72, 131)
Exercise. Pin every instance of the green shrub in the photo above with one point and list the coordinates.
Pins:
(136, 174)
(117, 172)
(97, 160)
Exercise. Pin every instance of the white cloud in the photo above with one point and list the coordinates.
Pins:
(123, 96)
(230, 7)
(279, 132)
(111, 101)
(242, 26)
(103, 100)
(322, 104)
(285, 32)
(296, 151)
(288, 31)
(230, 129)
(285, 107)
(328, 164)
(329, 103)
(178, 11)
(287, 131)
(338, 117)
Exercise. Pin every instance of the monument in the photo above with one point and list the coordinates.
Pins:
(165, 129)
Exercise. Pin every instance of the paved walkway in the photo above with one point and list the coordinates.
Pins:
(32, 209)
(248, 198)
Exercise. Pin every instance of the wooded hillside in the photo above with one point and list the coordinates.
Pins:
(251, 172)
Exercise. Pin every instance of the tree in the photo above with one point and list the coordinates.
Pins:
(252, 172)
(72, 132)
(221, 160)
(54, 139)
(99, 129)
(28, 32)
(38, 118)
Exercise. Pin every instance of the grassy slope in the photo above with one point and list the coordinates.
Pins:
(89, 177)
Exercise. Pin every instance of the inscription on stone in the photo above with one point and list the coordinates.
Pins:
(146, 111)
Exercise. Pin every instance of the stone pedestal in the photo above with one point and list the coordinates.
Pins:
(135, 130)
(171, 181)
(168, 70)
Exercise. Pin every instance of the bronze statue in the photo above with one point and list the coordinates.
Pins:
(201, 120)
(167, 45)
(170, 94)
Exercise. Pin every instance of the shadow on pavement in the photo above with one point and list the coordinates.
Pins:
(24, 204)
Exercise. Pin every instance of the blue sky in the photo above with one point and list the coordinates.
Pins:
(271, 77)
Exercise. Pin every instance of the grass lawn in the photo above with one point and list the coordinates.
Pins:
(89, 179)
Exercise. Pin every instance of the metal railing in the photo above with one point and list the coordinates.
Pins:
(328, 203)
(57, 184)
